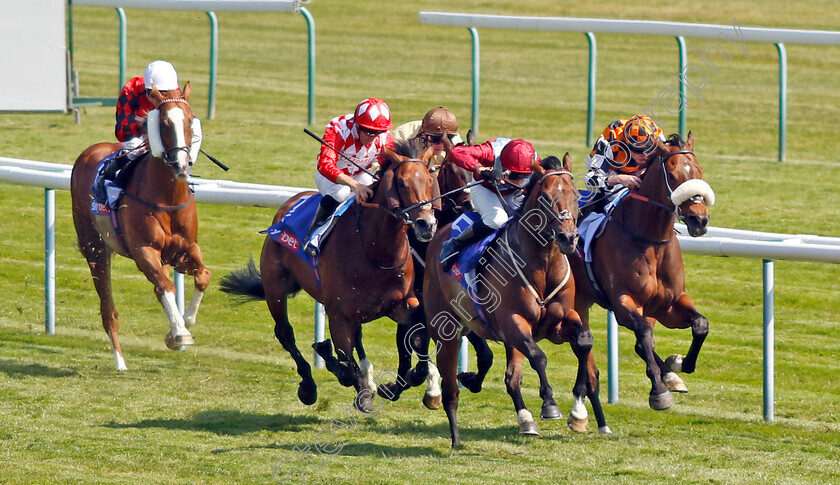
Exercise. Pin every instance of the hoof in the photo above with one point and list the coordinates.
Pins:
(578, 425)
(175, 343)
(604, 430)
(660, 402)
(324, 349)
(674, 363)
(363, 403)
(550, 411)
(389, 391)
(432, 402)
(529, 428)
(674, 383)
(470, 381)
(307, 393)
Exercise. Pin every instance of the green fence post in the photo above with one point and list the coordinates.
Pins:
(214, 64)
(683, 100)
(476, 79)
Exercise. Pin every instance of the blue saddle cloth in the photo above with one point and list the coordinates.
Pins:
(104, 202)
(466, 262)
(291, 229)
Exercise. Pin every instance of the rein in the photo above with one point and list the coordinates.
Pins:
(165, 208)
(362, 243)
(673, 209)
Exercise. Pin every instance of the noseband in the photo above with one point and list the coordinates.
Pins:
(170, 156)
(563, 215)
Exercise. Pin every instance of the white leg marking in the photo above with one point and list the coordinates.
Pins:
(579, 409)
(176, 321)
(118, 358)
(433, 382)
(192, 310)
(524, 416)
(367, 370)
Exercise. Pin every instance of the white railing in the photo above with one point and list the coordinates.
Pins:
(717, 242)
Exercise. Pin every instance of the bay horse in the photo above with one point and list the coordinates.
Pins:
(366, 272)
(157, 221)
(450, 178)
(638, 263)
(525, 288)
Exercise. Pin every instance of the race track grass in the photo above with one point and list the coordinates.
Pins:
(226, 410)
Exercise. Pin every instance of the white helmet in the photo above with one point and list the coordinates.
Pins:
(162, 74)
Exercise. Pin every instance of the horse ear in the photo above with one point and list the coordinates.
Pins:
(567, 162)
(155, 96)
(470, 137)
(436, 194)
(187, 91)
(387, 187)
(690, 140)
(427, 155)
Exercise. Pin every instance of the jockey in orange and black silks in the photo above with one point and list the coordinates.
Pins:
(617, 158)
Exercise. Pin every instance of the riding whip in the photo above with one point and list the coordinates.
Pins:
(321, 140)
(213, 159)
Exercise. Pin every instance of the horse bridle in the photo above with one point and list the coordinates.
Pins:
(170, 155)
(560, 217)
(669, 190)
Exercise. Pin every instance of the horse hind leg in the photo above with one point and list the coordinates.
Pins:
(285, 334)
(365, 366)
(98, 257)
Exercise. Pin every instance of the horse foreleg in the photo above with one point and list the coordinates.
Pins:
(484, 360)
(345, 368)
(194, 266)
(149, 262)
(520, 337)
(364, 364)
(513, 383)
(581, 340)
(628, 315)
(683, 314)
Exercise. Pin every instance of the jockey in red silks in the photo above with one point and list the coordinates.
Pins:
(133, 106)
(504, 161)
(360, 136)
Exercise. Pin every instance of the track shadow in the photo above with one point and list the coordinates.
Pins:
(17, 370)
(226, 422)
(370, 449)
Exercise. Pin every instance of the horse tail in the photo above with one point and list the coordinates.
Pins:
(244, 284)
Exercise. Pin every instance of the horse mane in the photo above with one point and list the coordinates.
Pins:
(549, 163)
(408, 149)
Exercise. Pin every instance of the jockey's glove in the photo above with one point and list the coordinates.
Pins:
(491, 175)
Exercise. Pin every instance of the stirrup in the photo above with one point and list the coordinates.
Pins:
(310, 249)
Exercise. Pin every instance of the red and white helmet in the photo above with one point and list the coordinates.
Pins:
(373, 114)
(517, 156)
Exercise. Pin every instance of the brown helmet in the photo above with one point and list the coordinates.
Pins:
(440, 121)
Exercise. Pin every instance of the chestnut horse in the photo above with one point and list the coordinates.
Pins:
(526, 293)
(366, 271)
(157, 223)
(638, 264)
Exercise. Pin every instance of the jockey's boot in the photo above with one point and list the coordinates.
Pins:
(109, 172)
(325, 209)
(452, 247)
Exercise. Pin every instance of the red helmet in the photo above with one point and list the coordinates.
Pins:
(517, 156)
(373, 114)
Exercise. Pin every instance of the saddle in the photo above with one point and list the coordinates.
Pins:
(291, 229)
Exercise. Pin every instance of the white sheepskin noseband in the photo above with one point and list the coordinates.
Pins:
(693, 188)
